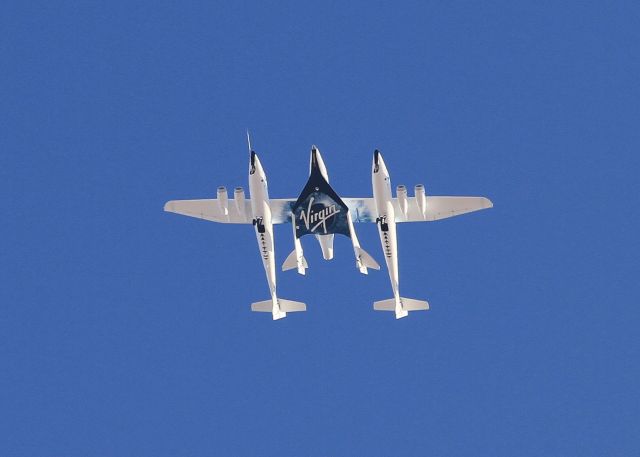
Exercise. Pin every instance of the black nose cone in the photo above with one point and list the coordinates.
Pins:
(252, 162)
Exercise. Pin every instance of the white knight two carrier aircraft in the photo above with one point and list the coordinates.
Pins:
(319, 211)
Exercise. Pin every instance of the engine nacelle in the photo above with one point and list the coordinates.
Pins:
(238, 197)
(223, 200)
(421, 198)
(403, 201)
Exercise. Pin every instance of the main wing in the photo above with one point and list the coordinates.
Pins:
(213, 210)
(362, 209)
(441, 208)
(438, 207)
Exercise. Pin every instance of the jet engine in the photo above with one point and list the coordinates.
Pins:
(421, 198)
(223, 200)
(238, 197)
(403, 201)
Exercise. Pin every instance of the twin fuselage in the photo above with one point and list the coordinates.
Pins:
(386, 222)
(313, 215)
(261, 214)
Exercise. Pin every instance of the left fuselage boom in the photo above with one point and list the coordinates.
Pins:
(261, 214)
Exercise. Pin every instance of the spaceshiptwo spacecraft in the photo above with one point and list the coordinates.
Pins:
(321, 212)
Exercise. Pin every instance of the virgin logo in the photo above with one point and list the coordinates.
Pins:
(313, 218)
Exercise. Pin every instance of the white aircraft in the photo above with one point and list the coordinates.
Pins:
(319, 211)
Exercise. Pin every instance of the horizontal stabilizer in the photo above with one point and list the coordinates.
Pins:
(405, 305)
(291, 306)
(409, 304)
(265, 306)
(366, 259)
(385, 305)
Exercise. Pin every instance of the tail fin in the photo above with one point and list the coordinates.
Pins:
(292, 262)
(402, 306)
(364, 260)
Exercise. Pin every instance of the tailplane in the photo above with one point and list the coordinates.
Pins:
(278, 307)
(414, 305)
(291, 306)
(401, 306)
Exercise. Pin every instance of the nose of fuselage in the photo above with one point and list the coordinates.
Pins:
(255, 167)
(378, 167)
(316, 162)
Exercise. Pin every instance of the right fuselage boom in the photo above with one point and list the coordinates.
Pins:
(386, 220)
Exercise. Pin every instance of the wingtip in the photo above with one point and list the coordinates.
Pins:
(168, 206)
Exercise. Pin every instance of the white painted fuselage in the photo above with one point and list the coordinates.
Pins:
(386, 223)
(263, 226)
(326, 241)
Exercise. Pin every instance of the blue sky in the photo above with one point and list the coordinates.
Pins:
(125, 330)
